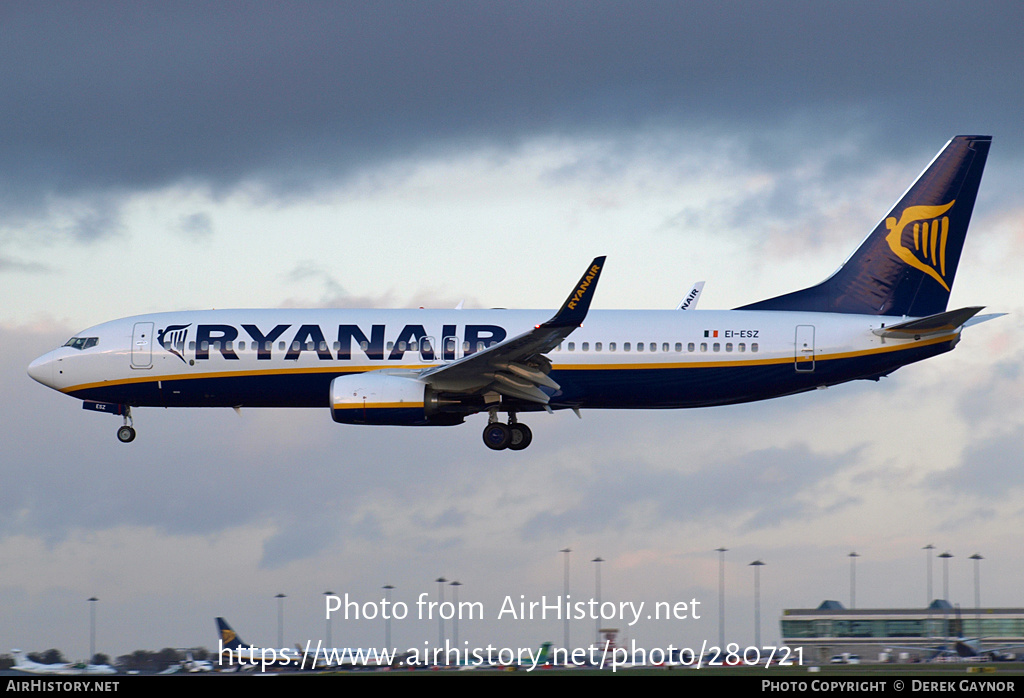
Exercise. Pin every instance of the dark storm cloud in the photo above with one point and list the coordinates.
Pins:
(127, 96)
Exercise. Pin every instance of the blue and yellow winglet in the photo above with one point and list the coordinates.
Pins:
(575, 308)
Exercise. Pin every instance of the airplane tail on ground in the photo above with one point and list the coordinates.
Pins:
(229, 640)
(907, 264)
(20, 661)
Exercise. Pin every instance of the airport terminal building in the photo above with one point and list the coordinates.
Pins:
(903, 634)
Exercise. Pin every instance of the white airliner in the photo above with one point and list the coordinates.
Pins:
(885, 307)
(26, 665)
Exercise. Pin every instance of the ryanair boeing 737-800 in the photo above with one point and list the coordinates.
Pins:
(885, 307)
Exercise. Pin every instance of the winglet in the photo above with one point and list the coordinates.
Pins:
(575, 308)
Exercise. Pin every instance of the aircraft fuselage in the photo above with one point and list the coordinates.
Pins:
(618, 359)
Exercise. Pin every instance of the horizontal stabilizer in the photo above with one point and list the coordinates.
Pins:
(942, 323)
(978, 319)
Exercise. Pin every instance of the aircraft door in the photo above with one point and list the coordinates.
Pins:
(804, 358)
(142, 345)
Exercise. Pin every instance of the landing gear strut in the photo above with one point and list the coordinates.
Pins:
(126, 432)
(513, 436)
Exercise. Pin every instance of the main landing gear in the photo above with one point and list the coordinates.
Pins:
(513, 436)
(126, 432)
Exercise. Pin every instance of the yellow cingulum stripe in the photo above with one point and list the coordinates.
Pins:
(378, 406)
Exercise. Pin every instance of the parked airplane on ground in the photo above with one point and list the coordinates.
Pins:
(23, 663)
(882, 309)
(957, 647)
(196, 666)
(234, 655)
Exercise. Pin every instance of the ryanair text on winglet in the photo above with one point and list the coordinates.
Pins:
(584, 285)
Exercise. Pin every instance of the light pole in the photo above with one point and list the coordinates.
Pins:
(597, 594)
(280, 619)
(455, 620)
(565, 597)
(92, 628)
(945, 574)
(440, 618)
(328, 638)
(853, 579)
(387, 621)
(757, 565)
(928, 556)
(945, 593)
(977, 590)
(721, 597)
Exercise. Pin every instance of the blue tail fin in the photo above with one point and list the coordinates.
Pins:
(907, 264)
(228, 638)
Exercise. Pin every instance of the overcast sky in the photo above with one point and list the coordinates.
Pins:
(164, 156)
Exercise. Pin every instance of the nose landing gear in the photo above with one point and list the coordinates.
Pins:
(126, 432)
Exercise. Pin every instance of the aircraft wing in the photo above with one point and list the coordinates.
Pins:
(517, 367)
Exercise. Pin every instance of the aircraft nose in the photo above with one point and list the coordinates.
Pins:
(41, 370)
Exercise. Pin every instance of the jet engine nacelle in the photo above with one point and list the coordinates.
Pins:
(377, 397)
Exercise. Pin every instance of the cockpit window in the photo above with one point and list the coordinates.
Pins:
(82, 342)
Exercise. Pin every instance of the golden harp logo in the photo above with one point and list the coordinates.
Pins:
(919, 239)
(227, 635)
